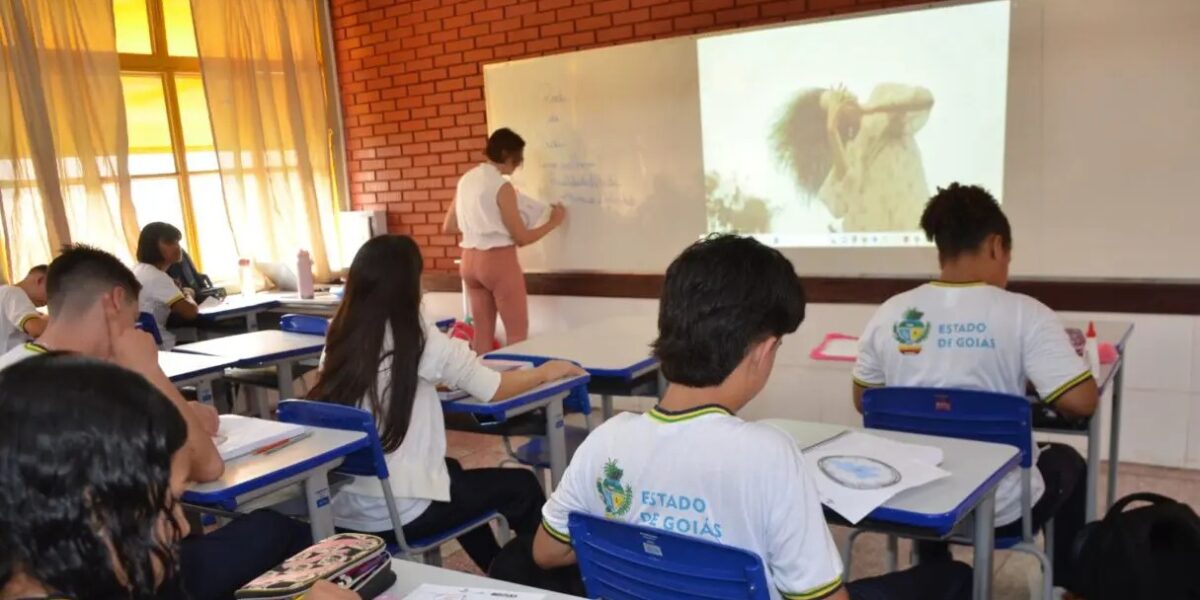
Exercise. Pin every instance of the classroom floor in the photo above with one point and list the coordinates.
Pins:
(1018, 576)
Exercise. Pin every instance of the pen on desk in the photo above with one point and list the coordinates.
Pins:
(281, 444)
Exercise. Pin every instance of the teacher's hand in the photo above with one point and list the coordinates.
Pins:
(558, 214)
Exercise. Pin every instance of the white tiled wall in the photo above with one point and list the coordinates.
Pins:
(1160, 419)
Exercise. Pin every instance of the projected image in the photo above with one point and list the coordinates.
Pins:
(836, 133)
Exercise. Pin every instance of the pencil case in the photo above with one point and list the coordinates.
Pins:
(351, 560)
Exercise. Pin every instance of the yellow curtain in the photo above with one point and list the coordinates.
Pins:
(261, 63)
(63, 143)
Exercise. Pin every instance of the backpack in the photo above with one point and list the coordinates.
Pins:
(1151, 551)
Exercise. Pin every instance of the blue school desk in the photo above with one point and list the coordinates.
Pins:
(615, 352)
(235, 306)
(935, 509)
(550, 396)
(194, 369)
(412, 575)
(307, 463)
(280, 349)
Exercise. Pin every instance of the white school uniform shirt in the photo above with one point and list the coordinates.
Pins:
(17, 310)
(478, 211)
(707, 474)
(159, 294)
(20, 353)
(971, 336)
(417, 469)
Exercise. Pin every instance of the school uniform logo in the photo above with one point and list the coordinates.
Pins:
(911, 331)
(617, 500)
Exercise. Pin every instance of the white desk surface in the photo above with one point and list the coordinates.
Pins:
(235, 303)
(251, 467)
(610, 344)
(180, 365)
(256, 344)
(410, 576)
(970, 463)
(319, 299)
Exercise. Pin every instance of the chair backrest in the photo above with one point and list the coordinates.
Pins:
(962, 414)
(577, 401)
(146, 322)
(310, 324)
(368, 462)
(620, 561)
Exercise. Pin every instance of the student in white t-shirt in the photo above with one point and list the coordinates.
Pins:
(691, 466)
(966, 331)
(19, 303)
(158, 248)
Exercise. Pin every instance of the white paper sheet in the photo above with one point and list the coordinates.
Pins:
(210, 302)
(858, 472)
(239, 436)
(444, 592)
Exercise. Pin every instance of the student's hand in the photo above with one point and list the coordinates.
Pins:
(207, 416)
(559, 369)
(558, 214)
(129, 346)
(324, 590)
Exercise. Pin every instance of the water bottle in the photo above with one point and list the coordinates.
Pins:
(304, 276)
(247, 278)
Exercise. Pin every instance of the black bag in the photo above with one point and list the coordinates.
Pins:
(186, 274)
(1151, 551)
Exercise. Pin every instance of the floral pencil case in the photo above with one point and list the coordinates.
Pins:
(351, 560)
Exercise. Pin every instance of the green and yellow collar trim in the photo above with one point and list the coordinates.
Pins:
(36, 348)
(956, 284)
(669, 416)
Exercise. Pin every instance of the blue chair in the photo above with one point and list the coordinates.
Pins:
(370, 462)
(969, 415)
(620, 561)
(146, 322)
(309, 324)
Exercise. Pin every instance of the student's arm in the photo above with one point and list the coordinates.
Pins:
(868, 366)
(522, 380)
(552, 543)
(34, 326)
(184, 308)
(19, 310)
(550, 552)
(452, 363)
(450, 222)
(1061, 377)
(510, 214)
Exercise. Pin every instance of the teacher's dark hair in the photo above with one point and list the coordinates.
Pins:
(147, 248)
(383, 289)
(721, 296)
(504, 144)
(960, 217)
(85, 463)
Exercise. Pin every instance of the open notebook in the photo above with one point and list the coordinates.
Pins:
(239, 436)
(446, 394)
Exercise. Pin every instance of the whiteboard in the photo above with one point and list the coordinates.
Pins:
(1102, 148)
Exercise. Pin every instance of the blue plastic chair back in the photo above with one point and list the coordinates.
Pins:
(368, 462)
(962, 414)
(146, 322)
(577, 401)
(310, 324)
(620, 561)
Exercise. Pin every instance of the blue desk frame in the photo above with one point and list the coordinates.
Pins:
(628, 381)
(282, 360)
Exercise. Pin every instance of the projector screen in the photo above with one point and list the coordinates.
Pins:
(835, 133)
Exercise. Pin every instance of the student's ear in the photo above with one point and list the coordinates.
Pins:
(764, 351)
(996, 246)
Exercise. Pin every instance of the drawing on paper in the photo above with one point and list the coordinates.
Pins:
(859, 472)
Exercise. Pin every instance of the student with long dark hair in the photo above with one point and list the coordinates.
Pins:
(381, 355)
(91, 472)
(964, 330)
(158, 248)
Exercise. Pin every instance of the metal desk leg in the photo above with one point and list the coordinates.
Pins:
(985, 524)
(1114, 435)
(284, 384)
(606, 406)
(252, 321)
(1093, 461)
(556, 437)
(320, 513)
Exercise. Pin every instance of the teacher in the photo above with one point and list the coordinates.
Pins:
(486, 211)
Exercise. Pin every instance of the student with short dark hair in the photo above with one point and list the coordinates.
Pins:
(691, 466)
(18, 305)
(158, 248)
(964, 330)
(486, 211)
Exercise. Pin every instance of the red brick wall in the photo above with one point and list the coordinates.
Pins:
(412, 83)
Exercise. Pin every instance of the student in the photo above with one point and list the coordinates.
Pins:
(93, 462)
(380, 316)
(486, 211)
(691, 466)
(158, 248)
(93, 300)
(19, 303)
(966, 331)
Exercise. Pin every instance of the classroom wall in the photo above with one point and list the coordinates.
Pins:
(412, 85)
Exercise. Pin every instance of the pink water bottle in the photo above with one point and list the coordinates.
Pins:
(304, 275)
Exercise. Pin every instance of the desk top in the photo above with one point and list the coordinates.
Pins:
(410, 576)
(236, 305)
(974, 468)
(499, 410)
(248, 473)
(181, 366)
(258, 347)
(616, 347)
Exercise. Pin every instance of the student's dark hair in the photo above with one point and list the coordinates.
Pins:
(722, 295)
(383, 288)
(37, 270)
(147, 249)
(800, 139)
(960, 217)
(503, 144)
(85, 461)
(81, 274)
